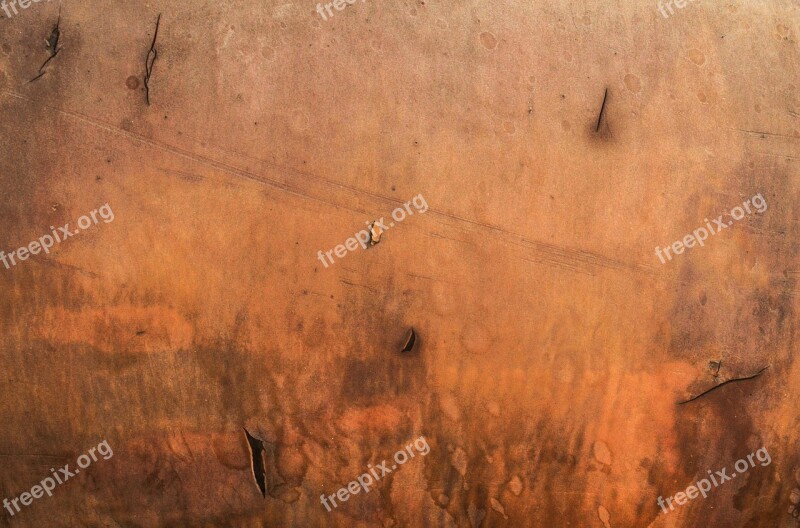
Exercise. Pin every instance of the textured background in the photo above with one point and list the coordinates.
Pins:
(553, 346)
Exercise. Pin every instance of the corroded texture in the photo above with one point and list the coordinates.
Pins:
(552, 345)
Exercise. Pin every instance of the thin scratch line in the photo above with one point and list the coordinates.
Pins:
(359, 285)
(148, 63)
(197, 158)
(715, 387)
(569, 255)
(602, 109)
(51, 262)
(756, 132)
(777, 155)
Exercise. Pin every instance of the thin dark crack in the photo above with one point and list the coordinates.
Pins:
(152, 55)
(257, 462)
(412, 338)
(55, 34)
(37, 77)
(715, 387)
(51, 45)
(602, 109)
(49, 59)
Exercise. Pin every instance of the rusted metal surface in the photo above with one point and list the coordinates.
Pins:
(554, 146)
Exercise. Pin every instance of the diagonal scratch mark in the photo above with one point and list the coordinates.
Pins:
(777, 155)
(759, 133)
(197, 158)
(55, 263)
(715, 387)
(357, 285)
(52, 45)
(602, 109)
(150, 61)
(557, 253)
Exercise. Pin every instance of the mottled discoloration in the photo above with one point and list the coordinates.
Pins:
(552, 345)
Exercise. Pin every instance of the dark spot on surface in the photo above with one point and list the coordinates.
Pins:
(132, 82)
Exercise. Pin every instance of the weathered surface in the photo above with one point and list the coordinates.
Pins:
(552, 345)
